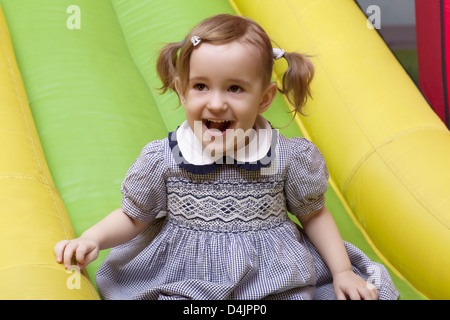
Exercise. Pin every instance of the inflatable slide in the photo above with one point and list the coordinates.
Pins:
(33, 214)
(87, 93)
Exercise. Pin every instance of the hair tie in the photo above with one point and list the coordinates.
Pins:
(278, 53)
(195, 40)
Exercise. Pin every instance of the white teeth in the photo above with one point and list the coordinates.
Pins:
(218, 121)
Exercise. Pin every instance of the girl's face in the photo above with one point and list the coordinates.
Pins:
(225, 94)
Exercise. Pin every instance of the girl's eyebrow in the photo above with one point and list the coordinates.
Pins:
(240, 81)
(198, 78)
(233, 80)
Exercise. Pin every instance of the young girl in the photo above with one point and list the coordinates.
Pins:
(204, 211)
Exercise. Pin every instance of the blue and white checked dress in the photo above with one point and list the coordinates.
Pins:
(226, 233)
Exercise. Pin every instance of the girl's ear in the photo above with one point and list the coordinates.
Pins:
(179, 91)
(268, 96)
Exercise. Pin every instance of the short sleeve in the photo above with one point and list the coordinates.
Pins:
(306, 178)
(143, 189)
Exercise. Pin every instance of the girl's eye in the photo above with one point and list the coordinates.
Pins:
(235, 89)
(200, 87)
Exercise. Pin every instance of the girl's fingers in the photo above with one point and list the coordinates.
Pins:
(88, 258)
(80, 254)
(69, 253)
(59, 249)
(353, 294)
(370, 292)
(340, 295)
(83, 252)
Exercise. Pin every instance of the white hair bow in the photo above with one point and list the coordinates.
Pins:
(195, 40)
(278, 53)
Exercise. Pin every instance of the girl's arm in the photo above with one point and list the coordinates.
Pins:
(116, 228)
(323, 233)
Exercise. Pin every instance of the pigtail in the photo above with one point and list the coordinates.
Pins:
(166, 65)
(297, 79)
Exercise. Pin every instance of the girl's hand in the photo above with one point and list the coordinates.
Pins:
(85, 251)
(348, 285)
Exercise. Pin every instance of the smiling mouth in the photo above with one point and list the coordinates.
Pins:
(217, 126)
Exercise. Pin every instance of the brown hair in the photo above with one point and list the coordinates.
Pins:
(174, 58)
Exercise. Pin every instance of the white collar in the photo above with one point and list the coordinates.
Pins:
(257, 148)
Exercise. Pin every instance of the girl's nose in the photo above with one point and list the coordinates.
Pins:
(217, 102)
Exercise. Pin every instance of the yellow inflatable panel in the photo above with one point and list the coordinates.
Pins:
(33, 217)
(388, 153)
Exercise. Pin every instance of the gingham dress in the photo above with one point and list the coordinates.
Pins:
(226, 234)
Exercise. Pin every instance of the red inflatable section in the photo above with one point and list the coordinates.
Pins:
(433, 50)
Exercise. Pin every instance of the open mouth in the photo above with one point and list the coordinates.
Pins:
(217, 126)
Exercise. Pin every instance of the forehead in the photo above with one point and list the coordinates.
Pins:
(228, 60)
